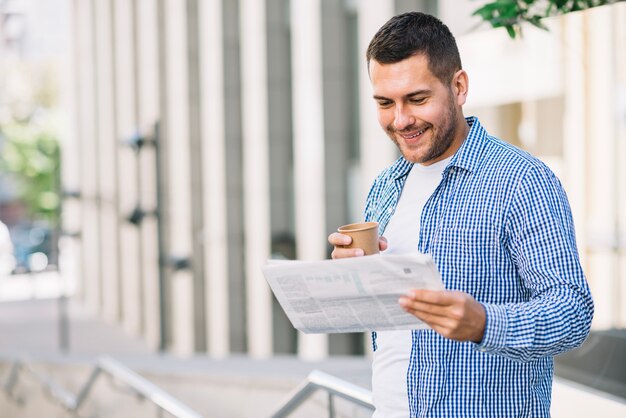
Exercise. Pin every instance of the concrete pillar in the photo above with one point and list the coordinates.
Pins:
(107, 165)
(341, 127)
(233, 125)
(125, 114)
(308, 134)
(214, 175)
(69, 246)
(377, 151)
(196, 181)
(107, 169)
(601, 157)
(196, 168)
(177, 201)
(574, 128)
(619, 33)
(280, 158)
(340, 95)
(256, 174)
(147, 86)
(89, 271)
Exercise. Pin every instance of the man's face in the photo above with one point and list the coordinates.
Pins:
(421, 115)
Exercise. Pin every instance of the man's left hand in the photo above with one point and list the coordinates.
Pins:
(452, 314)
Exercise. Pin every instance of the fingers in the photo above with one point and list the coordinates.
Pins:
(338, 241)
(346, 252)
(414, 306)
(435, 297)
(452, 314)
(430, 316)
(440, 324)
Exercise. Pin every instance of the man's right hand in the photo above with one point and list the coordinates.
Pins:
(339, 240)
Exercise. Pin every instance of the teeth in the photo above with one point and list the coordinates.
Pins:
(418, 133)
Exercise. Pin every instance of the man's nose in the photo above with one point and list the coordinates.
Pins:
(403, 118)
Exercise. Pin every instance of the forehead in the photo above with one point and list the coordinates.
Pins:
(403, 77)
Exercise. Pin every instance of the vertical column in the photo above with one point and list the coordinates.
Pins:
(376, 150)
(601, 198)
(175, 135)
(574, 128)
(90, 248)
(340, 94)
(256, 174)
(619, 34)
(214, 175)
(339, 91)
(308, 133)
(280, 157)
(234, 176)
(196, 180)
(107, 167)
(125, 97)
(147, 71)
(69, 246)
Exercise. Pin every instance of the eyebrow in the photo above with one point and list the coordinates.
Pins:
(406, 96)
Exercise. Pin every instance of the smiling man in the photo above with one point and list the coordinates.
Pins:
(498, 225)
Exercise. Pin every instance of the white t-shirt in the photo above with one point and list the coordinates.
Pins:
(391, 358)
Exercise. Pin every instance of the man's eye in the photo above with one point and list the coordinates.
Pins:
(418, 100)
(384, 104)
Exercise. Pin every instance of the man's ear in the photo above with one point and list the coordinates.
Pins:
(460, 86)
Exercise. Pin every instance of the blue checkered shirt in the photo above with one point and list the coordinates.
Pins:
(499, 227)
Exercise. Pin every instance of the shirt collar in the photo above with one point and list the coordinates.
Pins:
(469, 154)
(467, 157)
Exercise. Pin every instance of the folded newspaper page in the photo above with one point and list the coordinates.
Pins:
(351, 294)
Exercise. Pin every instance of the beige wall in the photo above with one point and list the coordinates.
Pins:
(520, 91)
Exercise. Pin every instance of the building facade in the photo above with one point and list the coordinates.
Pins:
(211, 135)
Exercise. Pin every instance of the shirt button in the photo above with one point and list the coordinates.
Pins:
(389, 210)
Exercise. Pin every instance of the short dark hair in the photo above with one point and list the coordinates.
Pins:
(416, 33)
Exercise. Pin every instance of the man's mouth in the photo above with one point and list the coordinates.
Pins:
(413, 135)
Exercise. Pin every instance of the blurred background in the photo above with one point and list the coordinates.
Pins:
(155, 154)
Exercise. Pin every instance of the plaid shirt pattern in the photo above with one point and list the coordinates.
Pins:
(499, 227)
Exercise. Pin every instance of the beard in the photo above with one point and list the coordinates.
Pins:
(440, 140)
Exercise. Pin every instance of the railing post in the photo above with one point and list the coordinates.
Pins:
(334, 386)
(331, 406)
(84, 392)
(12, 381)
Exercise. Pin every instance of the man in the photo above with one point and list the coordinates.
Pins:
(498, 225)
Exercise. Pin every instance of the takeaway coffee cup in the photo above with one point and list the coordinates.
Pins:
(364, 235)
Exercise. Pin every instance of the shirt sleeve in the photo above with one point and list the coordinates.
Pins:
(540, 236)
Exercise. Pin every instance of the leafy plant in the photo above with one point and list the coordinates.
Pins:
(31, 154)
(510, 14)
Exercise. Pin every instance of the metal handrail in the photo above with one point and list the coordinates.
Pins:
(115, 370)
(334, 386)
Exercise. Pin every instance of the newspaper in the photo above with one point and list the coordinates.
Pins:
(351, 294)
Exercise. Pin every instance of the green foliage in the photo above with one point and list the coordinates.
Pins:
(510, 14)
(31, 154)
